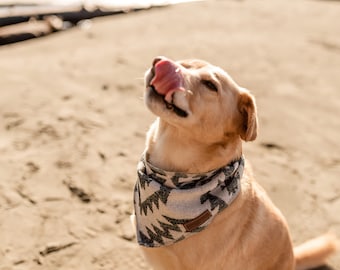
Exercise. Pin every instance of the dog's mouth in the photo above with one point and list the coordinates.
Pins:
(169, 105)
(164, 80)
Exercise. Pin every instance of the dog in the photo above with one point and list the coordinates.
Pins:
(197, 205)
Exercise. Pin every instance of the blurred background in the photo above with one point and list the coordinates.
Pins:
(73, 122)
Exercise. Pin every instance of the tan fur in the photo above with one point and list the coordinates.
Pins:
(250, 234)
(315, 251)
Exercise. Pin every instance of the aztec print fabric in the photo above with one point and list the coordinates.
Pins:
(170, 206)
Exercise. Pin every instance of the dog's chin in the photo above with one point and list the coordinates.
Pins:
(160, 107)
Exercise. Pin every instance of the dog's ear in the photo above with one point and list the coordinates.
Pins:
(247, 109)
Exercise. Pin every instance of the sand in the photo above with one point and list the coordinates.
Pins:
(73, 123)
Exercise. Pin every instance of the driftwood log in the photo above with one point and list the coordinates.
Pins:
(25, 21)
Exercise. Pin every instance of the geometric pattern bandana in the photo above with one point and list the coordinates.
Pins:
(172, 206)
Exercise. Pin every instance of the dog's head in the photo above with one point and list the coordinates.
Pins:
(201, 99)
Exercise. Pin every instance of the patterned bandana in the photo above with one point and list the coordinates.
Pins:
(172, 206)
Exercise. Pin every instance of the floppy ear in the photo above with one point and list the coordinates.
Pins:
(247, 109)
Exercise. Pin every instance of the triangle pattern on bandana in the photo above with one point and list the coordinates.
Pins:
(172, 206)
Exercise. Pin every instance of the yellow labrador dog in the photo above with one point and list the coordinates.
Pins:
(197, 205)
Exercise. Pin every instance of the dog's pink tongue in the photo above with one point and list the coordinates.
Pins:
(167, 79)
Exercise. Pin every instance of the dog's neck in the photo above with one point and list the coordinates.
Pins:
(167, 148)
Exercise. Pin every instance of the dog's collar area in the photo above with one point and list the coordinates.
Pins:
(171, 206)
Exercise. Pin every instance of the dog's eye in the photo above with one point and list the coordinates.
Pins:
(210, 85)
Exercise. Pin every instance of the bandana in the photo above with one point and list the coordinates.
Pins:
(172, 206)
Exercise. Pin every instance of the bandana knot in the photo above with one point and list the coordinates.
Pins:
(172, 206)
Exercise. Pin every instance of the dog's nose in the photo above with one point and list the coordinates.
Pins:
(168, 78)
(157, 59)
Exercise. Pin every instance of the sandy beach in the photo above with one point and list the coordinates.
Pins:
(73, 123)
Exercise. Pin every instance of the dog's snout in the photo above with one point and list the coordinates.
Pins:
(157, 59)
(154, 62)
